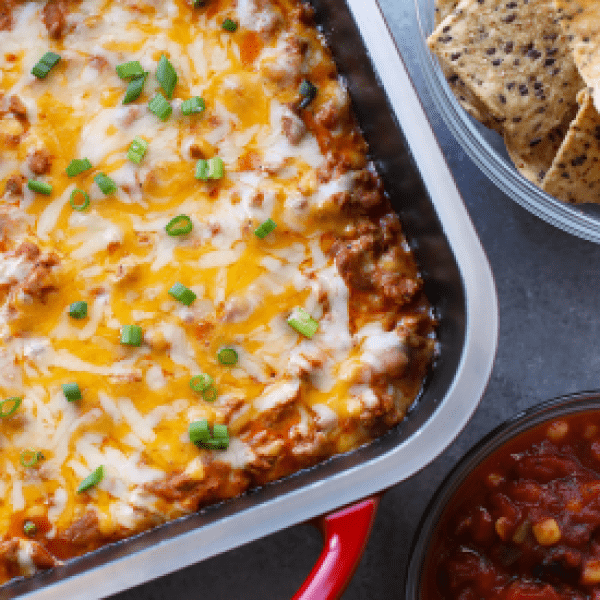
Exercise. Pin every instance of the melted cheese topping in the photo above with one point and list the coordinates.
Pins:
(117, 256)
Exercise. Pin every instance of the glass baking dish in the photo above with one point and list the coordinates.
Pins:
(458, 281)
(486, 147)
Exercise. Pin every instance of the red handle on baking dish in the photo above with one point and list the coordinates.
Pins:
(345, 535)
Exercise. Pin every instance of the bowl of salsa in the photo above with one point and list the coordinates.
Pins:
(518, 518)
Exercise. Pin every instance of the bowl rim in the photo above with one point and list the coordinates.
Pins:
(525, 420)
(468, 132)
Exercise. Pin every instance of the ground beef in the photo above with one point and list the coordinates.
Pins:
(54, 16)
(40, 161)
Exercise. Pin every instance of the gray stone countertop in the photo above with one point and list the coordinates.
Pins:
(549, 289)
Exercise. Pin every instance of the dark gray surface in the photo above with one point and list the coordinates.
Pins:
(548, 288)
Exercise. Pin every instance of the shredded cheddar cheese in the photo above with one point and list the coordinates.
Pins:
(333, 253)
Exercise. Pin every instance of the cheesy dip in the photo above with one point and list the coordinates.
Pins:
(202, 284)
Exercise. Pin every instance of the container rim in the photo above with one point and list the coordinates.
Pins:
(510, 428)
(472, 136)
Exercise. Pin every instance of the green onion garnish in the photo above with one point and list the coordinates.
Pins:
(220, 431)
(227, 356)
(303, 323)
(85, 202)
(30, 458)
(201, 382)
(137, 149)
(166, 75)
(263, 230)
(94, 478)
(39, 186)
(131, 335)
(105, 183)
(210, 169)
(9, 406)
(192, 106)
(201, 169)
(308, 91)
(78, 165)
(198, 3)
(130, 69)
(179, 225)
(29, 528)
(210, 394)
(215, 168)
(220, 438)
(45, 64)
(200, 435)
(183, 294)
(71, 391)
(229, 25)
(199, 431)
(160, 107)
(135, 87)
(78, 310)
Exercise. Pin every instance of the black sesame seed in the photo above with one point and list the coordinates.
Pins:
(579, 160)
(497, 61)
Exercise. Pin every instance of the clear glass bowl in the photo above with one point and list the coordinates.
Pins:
(546, 411)
(486, 148)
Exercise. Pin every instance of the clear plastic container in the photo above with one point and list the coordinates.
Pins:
(536, 415)
(486, 147)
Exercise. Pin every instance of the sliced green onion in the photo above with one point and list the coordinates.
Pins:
(303, 323)
(45, 64)
(210, 394)
(227, 356)
(130, 69)
(215, 168)
(39, 186)
(134, 89)
(166, 75)
(220, 438)
(73, 199)
(137, 149)
(201, 169)
(179, 225)
(308, 91)
(78, 310)
(160, 107)
(131, 335)
(198, 3)
(9, 406)
(29, 528)
(183, 294)
(71, 391)
(193, 105)
(263, 230)
(199, 431)
(212, 168)
(220, 431)
(94, 478)
(229, 25)
(78, 165)
(200, 383)
(105, 183)
(30, 458)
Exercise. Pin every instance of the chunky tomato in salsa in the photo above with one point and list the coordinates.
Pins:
(525, 525)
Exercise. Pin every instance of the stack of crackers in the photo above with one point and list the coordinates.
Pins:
(530, 69)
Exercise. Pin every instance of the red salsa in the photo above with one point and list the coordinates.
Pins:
(525, 525)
